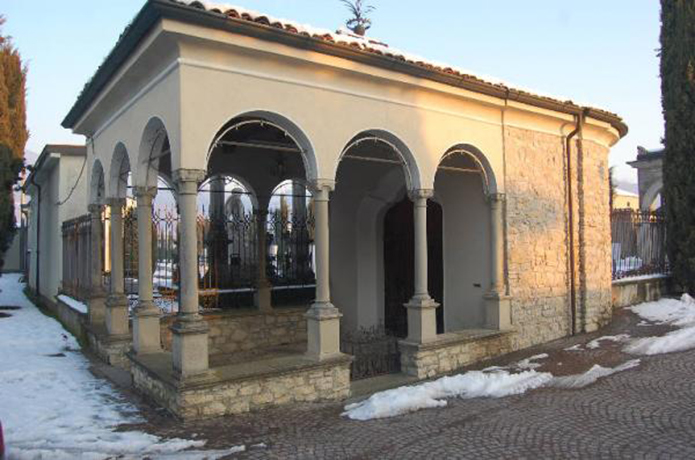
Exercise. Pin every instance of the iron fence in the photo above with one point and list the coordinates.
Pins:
(228, 255)
(374, 350)
(77, 241)
(639, 243)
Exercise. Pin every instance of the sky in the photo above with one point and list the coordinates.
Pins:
(595, 52)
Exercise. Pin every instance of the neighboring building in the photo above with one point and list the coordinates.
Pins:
(464, 217)
(624, 199)
(57, 188)
(650, 177)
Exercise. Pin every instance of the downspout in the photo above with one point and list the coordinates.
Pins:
(38, 236)
(570, 217)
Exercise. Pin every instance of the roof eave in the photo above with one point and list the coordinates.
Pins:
(157, 9)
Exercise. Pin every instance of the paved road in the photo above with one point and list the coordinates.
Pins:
(648, 412)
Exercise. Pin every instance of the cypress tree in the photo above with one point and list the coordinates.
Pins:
(678, 99)
(13, 134)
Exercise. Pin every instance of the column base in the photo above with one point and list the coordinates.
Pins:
(498, 311)
(323, 331)
(263, 297)
(117, 315)
(146, 331)
(422, 319)
(190, 347)
(97, 308)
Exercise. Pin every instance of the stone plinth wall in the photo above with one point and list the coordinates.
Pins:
(70, 318)
(325, 381)
(450, 352)
(251, 330)
(111, 350)
(538, 262)
(629, 292)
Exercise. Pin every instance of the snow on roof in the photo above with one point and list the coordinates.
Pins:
(347, 38)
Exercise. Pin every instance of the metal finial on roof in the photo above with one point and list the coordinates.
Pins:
(359, 23)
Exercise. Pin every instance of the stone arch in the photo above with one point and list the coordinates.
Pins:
(468, 151)
(97, 187)
(650, 195)
(154, 147)
(276, 120)
(120, 167)
(411, 169)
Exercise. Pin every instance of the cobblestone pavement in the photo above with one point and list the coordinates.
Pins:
(647, 412)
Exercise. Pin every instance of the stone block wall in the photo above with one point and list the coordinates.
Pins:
(538, 262)
(250, 330)
(450, 352)
(326, 381)
(594, 238)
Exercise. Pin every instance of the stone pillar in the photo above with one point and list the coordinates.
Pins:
(263, 297)
(117, 303)
(190, 330)
(146, 332)
(497, 303)
(422, 309)
(97, 293)
(323, 318)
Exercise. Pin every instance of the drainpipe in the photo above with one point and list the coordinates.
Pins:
(38, 235)
(570, 217)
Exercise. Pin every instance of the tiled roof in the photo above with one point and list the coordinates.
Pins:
(345, 38)
(339, 40)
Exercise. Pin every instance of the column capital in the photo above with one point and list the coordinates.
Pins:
(496, 198)
(115, 202)
(320, 185)
(95, 208)
(144, 192)
(182, 175)
(420, 194)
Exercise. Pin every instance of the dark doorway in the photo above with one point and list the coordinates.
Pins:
(399, 261)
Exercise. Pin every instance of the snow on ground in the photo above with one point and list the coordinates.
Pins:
(493, 382)
(52, 407)
(607, 338)
(576, 347)
(529, 363)
(591, 376)
(74, 304)
(675, 312)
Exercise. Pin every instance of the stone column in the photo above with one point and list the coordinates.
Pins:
(323, 318)
(422, 309)
(97, 293)
(146, 332)
(263, 297)
(117, 303)
(190, 330)
(497, 303)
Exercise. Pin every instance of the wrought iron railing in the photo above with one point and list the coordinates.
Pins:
(374, 350)
(639, 243)
(77, 240)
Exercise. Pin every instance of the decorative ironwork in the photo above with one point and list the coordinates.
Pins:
(375, 352)
(639, 243)
(77, 241)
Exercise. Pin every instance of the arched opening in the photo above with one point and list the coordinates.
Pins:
(462, 183)
(258, 225)
(399, 259)
(374, 174)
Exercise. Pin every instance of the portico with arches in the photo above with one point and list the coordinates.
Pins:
(325, 193)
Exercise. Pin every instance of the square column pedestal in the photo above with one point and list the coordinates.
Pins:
(97, 307)
(323, 331)
(498, 314)
(190, 348)
(422, 319)
(117, 315)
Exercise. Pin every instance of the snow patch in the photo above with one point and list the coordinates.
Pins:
(72, 303)
(674, 312)
(576, 347)
(592, 375)
(473, 384)
(529, 364)
(607, 338)
(57, 408)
